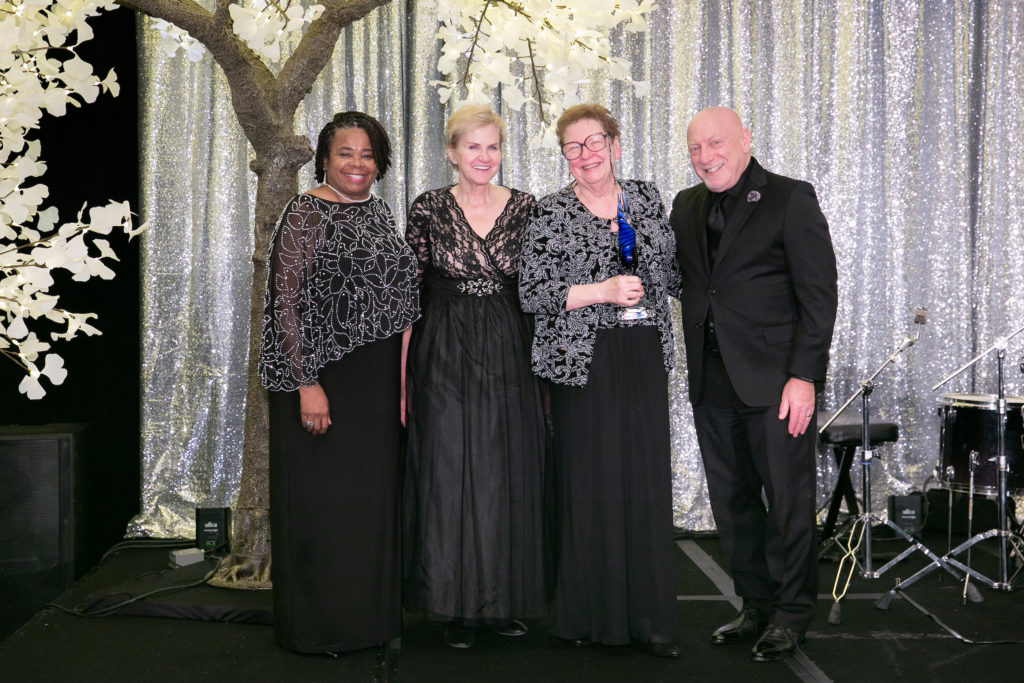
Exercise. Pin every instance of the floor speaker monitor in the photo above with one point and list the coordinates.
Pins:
(46, 510)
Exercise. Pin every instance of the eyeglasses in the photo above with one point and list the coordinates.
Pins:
(595, 143)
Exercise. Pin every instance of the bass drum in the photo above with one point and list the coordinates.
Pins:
(970, 423)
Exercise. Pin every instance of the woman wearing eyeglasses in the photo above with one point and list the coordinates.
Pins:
(603, 338)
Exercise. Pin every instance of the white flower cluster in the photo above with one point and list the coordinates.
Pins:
(560, 45)
(265, 24)
(262, 24)
(173, 38)
(40, 71)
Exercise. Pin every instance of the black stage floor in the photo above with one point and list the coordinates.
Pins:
(224, 635)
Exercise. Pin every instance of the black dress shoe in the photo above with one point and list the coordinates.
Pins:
(748, 625)
(777, 642)
(670, 650)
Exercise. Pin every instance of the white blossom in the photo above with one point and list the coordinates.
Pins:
(40, 72)
(559, 45)
(262, 25)
(173, 38)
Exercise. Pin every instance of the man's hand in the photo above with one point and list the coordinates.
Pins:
(798, 404)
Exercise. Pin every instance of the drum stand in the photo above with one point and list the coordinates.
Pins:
(1005, 536)
(866, 517)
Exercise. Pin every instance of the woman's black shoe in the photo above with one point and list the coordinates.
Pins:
(512, 628)
(670, 650)
(459, 636)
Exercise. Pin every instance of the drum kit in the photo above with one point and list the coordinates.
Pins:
(969, 433)
(981, 452)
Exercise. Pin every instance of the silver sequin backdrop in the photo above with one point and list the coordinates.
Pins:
(903, 113)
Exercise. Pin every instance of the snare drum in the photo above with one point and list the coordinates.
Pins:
(970, 423)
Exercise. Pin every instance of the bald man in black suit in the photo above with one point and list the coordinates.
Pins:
(759, 303)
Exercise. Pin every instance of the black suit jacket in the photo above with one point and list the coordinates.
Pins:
(772, 289)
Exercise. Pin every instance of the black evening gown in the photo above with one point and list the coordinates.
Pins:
(613, 484)
(474, 477)
(334, 508)
(341, 289)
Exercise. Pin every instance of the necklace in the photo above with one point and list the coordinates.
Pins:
(345, 196)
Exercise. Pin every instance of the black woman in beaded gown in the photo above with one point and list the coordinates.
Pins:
(341, 294)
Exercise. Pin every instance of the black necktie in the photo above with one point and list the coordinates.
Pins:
(715, 228)
(715, 225)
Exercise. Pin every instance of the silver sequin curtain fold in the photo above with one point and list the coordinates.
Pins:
(900, 113)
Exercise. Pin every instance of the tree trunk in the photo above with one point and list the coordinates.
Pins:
(248, 565)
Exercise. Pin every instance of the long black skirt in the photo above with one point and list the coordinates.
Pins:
(474, 475)
(614, 554)
(334, 508)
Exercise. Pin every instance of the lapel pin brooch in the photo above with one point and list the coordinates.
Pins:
(753, 196)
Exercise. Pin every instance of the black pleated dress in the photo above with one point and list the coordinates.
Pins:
(613, 483)
(475, 468)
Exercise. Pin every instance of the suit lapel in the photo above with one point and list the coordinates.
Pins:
(745, 204)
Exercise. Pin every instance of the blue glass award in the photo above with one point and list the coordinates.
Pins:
(628, 255)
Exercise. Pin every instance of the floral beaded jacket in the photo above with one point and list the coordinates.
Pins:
(566, 245)
(338, 276)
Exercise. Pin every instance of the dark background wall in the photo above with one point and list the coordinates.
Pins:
(92, 156)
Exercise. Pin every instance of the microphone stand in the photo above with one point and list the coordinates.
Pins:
(867, 454)
(1002, 468)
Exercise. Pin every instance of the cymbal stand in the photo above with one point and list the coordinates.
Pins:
(867, 518)
(1006, 537)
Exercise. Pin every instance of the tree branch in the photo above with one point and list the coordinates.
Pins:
(252, 84)
(472, 48)
(316, 48)
(15, 359)
(221, 15)
(537, 84)
(264, 104)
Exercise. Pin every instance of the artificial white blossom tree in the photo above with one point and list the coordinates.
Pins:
(41, 73)
(535, 51)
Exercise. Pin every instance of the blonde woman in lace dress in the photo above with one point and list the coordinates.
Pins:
(474, 479)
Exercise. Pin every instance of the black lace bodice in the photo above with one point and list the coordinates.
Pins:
(444, 242)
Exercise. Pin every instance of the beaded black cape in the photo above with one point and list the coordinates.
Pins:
(338, 276)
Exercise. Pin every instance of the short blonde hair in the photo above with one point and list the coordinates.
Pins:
(582, 112)
(470, 117)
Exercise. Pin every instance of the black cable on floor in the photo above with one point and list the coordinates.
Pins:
(948, 629)
(80, 611)
(146, 543)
